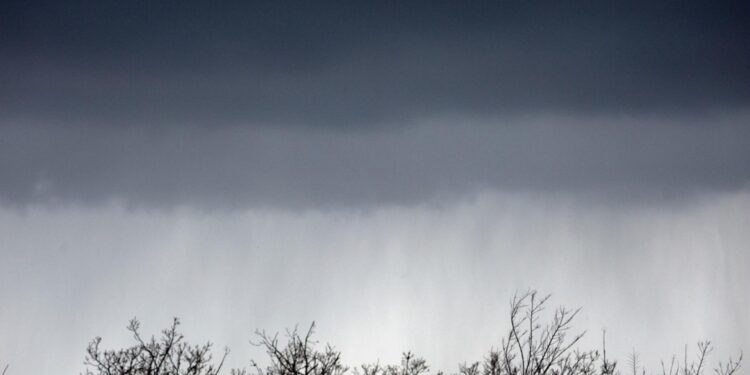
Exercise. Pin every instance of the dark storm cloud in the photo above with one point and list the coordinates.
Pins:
(240, 167)
(311, 103)
(364, 63)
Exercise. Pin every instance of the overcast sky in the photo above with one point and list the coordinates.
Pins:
(394, 171)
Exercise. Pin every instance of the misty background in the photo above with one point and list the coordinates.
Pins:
(395, 172)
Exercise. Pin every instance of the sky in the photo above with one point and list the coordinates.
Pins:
(393, 171)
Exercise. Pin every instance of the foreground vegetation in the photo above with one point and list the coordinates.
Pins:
(530, 347)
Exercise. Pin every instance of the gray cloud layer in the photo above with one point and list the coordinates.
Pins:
(352, 64)
(620, 157)
(318, 104)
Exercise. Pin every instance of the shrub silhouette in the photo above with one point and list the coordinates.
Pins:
(530, 347)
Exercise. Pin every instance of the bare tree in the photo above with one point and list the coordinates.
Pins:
(729, 368)
(369, 369)
(633, 361)
(168, 355)
(410, 365)
(532, 346)
(492, 364)
(298, 356)
(608, 367)
(472, 369)
(698, 366)
(532, 349)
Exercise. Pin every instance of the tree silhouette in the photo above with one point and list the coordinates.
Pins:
(410, 365)
(532, 346)
(169, 355)
(697, 366)
(299, 356)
